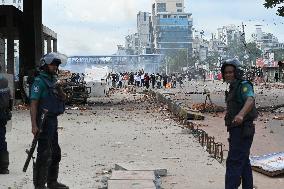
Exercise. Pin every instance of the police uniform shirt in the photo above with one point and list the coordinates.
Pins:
(39, 89)
(246, 90)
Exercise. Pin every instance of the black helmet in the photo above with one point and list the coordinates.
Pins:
(239, 72)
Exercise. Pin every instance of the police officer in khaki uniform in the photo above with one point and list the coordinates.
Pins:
(47, 95)
(5, 116)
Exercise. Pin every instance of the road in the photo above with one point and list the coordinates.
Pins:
(123, 128)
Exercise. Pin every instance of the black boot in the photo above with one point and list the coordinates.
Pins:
(4, 162)
(40, 175)
(52, 182)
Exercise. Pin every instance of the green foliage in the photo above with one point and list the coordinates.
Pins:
(176, 61)
(278, 54)
(236, 49)
(274, 3)
(212, 59)
(253, 52)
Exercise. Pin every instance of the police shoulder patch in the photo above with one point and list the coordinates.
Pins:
(36, 89)
(245, 89)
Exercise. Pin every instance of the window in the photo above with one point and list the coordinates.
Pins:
(179, 4)
(165, 16)
(14, 1)
(161, 7)
(145, 16)
(179, 10)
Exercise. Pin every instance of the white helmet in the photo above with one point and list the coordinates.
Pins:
(54, 57)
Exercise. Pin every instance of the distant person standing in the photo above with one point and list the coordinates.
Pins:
(131, 79)
(241, 112)
(5, 116)
(159, 80)
(147, 80)
(142, 76)
(276, 76)
(113, 76)
(174, 81)
(165, 80)
(180, 80)
(153, 80)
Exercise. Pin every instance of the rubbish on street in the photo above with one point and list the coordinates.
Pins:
(270, 164)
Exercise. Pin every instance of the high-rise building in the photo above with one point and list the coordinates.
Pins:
(266, 41)
(143, 30)
(229, 34)
(132, 44)
(172, 27)
(168, 6)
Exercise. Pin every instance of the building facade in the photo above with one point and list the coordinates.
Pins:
(168, 6)
(230, 34)
(143, 30)
(266, 41)
(172, 27)
(132, 44)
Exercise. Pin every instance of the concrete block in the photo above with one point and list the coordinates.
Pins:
(194, 115)
(98, 89)
(131, 184)
(132, 175)
(142, 166)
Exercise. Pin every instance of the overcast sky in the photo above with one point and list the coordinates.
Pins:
(91, 27)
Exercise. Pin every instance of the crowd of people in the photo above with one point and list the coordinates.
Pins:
(142, 79)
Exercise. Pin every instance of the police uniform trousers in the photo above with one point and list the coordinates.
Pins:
(3, 143)
(238, 167)
(48, 140)
(4, 154)
(48, 153)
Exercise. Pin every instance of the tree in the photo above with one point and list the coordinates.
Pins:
(213, 59)
(253, 52)
(273, 3)
(176, 61)
(278, 54)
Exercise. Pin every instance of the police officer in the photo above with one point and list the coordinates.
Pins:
(46, 94)
(241, 112)
(5, 115)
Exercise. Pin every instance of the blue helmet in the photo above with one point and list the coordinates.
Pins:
(239, 72)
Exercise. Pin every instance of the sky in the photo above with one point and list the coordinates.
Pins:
(92, 27)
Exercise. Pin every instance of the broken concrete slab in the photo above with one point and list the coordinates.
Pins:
(131, 184)
(142, 166)
(132, 175)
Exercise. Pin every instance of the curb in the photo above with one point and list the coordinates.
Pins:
(177, 107)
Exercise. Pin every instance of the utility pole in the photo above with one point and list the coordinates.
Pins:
(243, 38)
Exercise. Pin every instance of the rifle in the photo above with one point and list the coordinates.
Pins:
(35, 140)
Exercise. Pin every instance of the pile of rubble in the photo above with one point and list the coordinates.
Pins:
(64, 74)
(205, 107)
(21, 107)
